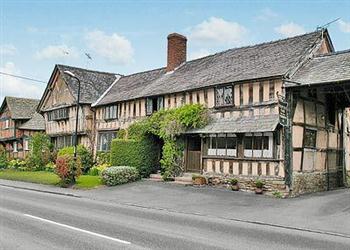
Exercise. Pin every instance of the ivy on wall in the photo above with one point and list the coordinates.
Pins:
(168, 125)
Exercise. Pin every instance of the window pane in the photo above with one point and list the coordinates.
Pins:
(265, 142)
(149, 106)
(248, 142)
(310, 138)
(160, 103)
(231, 142)
(228, 95)
(221, 142)
(219, 92)
(258, 143)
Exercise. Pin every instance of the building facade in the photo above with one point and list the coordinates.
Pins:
(18, 122)
(58, 104)
(270, 118)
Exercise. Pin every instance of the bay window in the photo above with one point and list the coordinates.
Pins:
(222, 145)
(258, 145)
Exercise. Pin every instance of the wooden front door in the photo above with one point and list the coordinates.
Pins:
(193, 154)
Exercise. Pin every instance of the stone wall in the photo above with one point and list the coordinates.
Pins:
(308, 183)
(247, 183)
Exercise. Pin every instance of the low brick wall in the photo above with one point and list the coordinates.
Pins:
(308, 183)
(247, 183)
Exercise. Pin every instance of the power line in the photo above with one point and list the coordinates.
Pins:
(22, 77)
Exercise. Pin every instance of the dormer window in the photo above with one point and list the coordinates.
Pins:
(224, 96)
(154, 104)
(110, 112)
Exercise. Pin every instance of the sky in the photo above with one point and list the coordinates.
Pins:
(131, 36)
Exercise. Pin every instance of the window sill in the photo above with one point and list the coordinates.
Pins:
(111, 120)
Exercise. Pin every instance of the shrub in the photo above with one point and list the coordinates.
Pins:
(40, 153)
(277, 194)
(233, 181)
(119, 175)
(68, 169)
(141, 154)
(97, 170)
(3, 157)
(83, 153)
(50, 167)
(103, 158)
(259, 183)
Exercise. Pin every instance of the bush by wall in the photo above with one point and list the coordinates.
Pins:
(3, 157)
(83, 153)
(40, 151)
(68, 169)
(103, 158)
(119, 175)
(97, 170)
(141, 154)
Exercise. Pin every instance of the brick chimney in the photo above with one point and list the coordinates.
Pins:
(176, 51)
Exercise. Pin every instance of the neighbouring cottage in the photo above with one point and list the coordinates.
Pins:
(58, 104)
(265, 122)
(18, 122)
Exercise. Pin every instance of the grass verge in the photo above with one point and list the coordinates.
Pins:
(48, 178)
(88, 181)
(41, 177)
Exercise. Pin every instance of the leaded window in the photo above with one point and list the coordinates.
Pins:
(310, 138)
(224, 96)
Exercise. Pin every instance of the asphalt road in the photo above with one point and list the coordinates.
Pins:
(35, 220)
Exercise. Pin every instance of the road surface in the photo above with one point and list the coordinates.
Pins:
(36, 220)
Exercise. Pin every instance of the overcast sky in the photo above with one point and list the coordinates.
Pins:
(130, 36)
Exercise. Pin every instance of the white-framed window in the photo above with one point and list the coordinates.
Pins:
(15, 147)
(110, 112)
(154, 104)
(223, 96)
(222, 145)
(7, 123)
(258, 145)
(105, 140)
(26, 144)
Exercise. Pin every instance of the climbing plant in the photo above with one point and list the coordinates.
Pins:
(168, 126)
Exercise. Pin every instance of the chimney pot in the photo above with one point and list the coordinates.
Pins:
(177, 50)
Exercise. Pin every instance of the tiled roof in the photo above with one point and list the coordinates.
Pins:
(37, 122)
(275, 58)
(21, 108)
(128, 87)
(250, 124)
(93, 83)
(334, 67)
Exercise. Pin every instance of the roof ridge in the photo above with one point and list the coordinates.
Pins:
(90, 70)
(142, 72)
(254, 45)
(22, 98)
(333, 53)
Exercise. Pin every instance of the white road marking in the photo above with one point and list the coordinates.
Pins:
(78, 229)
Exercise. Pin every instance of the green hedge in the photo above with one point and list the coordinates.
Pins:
(142, 154)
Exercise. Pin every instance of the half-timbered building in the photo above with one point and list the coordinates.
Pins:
(257, 131)
(18, 122)
(58, 104)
